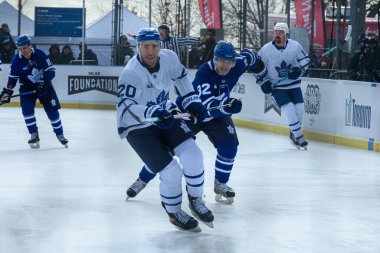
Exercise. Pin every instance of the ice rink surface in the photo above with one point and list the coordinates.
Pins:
(325, 199)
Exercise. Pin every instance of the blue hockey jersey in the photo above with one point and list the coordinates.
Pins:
(214, 89)
(29, 72)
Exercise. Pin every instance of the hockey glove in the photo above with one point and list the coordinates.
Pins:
(41, 89)
(192, 103)
(234, 106)
(166, 118)
(295, 73)
(5, 96)
(266, 86)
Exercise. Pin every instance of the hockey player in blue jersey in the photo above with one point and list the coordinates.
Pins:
(284, 59)
(34, 71)
(214, 81)
(143, 93)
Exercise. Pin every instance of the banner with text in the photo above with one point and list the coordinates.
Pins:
(304, 18)
(210, 13)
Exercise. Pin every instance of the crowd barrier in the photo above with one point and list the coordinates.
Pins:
(336, 111)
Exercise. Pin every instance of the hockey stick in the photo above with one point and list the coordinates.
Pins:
(348, 35)
(186, 114)
(18, 95)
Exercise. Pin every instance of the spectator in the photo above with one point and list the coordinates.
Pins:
(207, 45)
(365, 65)
(5, 36)
(125, 51)
(195, 57)
(90, 57)
(66, 56)
(7, 53)
(174, 43)
(53, 53)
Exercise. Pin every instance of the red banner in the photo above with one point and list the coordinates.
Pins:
(304, 15)
(210, 13)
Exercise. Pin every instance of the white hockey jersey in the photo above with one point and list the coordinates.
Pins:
(280, 60)
(138, 89)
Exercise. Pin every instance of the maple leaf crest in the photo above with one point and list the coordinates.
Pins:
(160, 100)
(283, 69)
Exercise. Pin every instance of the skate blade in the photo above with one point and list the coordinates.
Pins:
(66, 146)
(225, 200)
(197, 229)
(294, 145)
(34, 145)
(208, 224)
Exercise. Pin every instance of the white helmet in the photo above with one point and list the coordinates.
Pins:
(282, 27)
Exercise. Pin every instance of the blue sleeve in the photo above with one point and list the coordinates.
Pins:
(47, 66)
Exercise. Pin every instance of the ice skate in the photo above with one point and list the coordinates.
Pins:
(302, 143)
(293, 141)
(182, 221)
(135, 188)
(224, 193)
(34, 141)
(63, 140)
(200, 211)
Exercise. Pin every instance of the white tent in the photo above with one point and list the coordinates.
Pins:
(9, 14)
(102, 28)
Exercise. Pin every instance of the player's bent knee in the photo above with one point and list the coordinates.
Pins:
(172, 173)
(227, 148)
(190, 155)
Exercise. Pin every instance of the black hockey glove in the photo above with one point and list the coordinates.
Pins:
(166, 118)
(265, 85)
(41, 89)
(5, 96)
(193, 104)
(295, 73)
(234, 106)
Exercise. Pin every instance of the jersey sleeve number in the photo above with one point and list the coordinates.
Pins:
(128, 91)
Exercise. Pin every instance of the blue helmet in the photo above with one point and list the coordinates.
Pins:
(23, 40)
(224, 50)
(146, 34)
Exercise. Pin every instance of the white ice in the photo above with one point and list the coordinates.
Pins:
(325, 199)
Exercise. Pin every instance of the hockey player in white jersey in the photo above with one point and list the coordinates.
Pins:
(284, 59)
(143, 93)
(214, 82)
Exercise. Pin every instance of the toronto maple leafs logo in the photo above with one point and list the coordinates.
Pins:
(160, 100)
(36, 75)
(284, 69)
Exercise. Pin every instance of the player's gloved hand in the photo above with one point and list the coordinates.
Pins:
(192, 103)
(295, 73)
(166, 119)
(5, 96)
(41, 89)
(265, 85)
(234, 106)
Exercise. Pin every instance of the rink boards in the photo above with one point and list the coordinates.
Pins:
(336, 111)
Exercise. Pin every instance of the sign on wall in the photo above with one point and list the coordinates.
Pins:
(58, 22)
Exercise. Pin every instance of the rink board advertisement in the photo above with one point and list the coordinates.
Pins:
(358, 110)
(320, 105)
(336, 108)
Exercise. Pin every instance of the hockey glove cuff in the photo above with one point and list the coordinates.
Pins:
(266, 86)
(295, 73)
(166, 119)
(233, 106)
(41, 89)
(5, 96)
